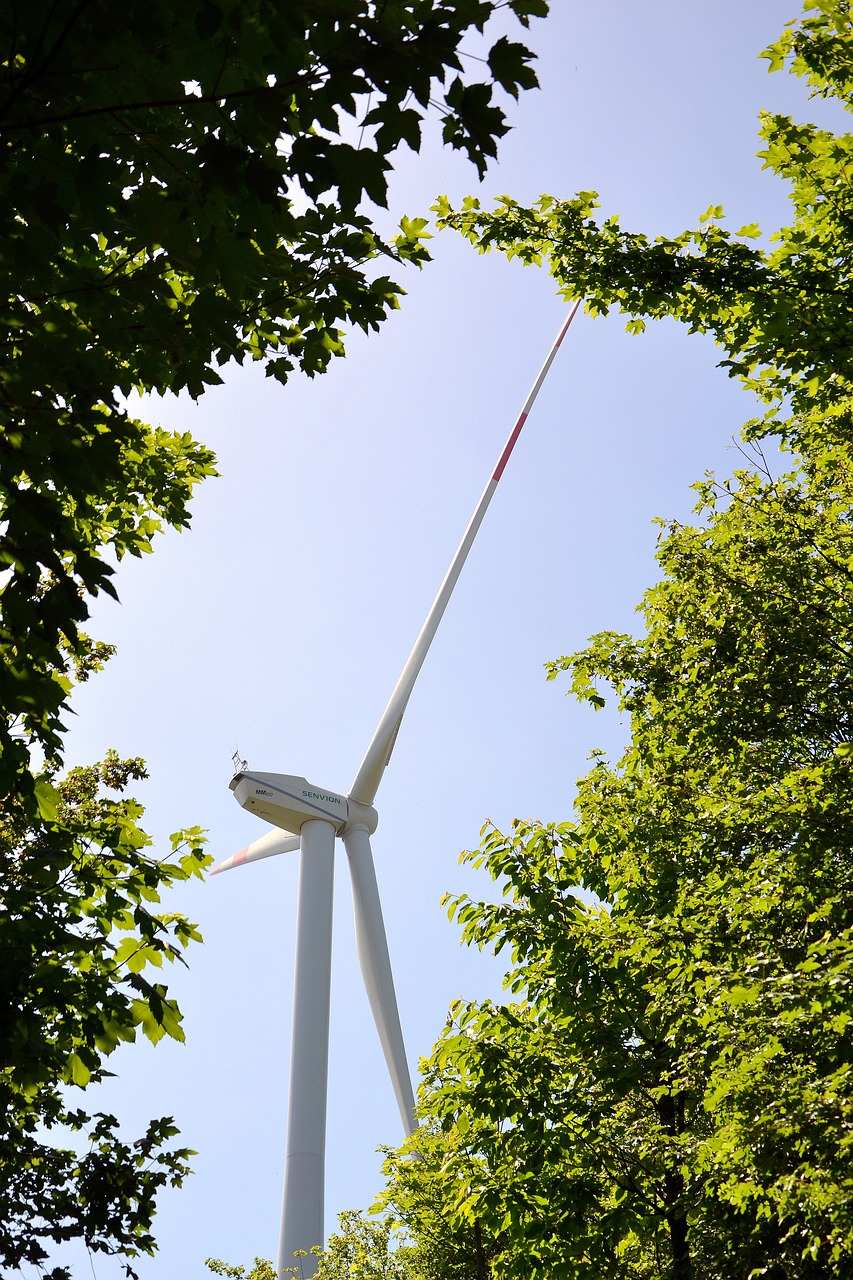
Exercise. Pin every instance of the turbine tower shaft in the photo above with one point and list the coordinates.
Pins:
(304, 1165)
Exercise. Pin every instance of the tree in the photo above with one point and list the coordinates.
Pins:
(419, 1190)
(180, 189)
(261, 1270)
(670, 1091)
(781, 313)
(79, 928)
(363, 1249)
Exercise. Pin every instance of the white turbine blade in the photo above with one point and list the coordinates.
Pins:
(274, 842)
(379, 752)
(376, 969)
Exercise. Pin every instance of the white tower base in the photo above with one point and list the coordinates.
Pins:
(302, 1210)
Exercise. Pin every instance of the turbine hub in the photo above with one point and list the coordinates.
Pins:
(361, 815)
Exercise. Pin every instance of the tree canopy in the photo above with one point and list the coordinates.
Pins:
(666, 1093)
(671, 1092)
(80, 932)
(181, 189)
(781, 311)
(183, 186)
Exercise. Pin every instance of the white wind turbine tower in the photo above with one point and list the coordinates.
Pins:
(309, 818)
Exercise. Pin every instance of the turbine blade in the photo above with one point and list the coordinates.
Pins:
(274, 842)
(378, 754)
(376, 969)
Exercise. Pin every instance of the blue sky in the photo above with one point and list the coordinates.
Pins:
(279, 624)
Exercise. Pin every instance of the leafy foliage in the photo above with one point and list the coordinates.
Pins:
(362, 1249)
(671, 1092)
(79, 934)
(667, 1092)
(180, 189)
(417, 1202)
(780, 312)
(261, 1270)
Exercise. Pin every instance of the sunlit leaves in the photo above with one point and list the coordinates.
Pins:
(666, 1091)
(670, 1091)
(81, 930)
(779, 309)
(183, 189)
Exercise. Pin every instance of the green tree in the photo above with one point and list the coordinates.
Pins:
(416, 1202)
(180, 189)
(261, 1270)
(80, 931)
(781, 313)
(671, 1092)
(363, 1248)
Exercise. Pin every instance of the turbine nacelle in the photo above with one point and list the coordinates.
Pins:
(288, 801)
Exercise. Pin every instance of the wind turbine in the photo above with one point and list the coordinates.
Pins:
(310, 818)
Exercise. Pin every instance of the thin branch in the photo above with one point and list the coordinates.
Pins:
(187, 100)
(29, 77)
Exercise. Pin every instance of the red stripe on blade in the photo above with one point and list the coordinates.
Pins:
(510, 445)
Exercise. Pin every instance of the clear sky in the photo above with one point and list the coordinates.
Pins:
(278, 625)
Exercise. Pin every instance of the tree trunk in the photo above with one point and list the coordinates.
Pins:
(671, 1112)
(481, 1260)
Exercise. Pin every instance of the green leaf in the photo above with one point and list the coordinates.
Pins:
(47, 799)
(508, 63)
